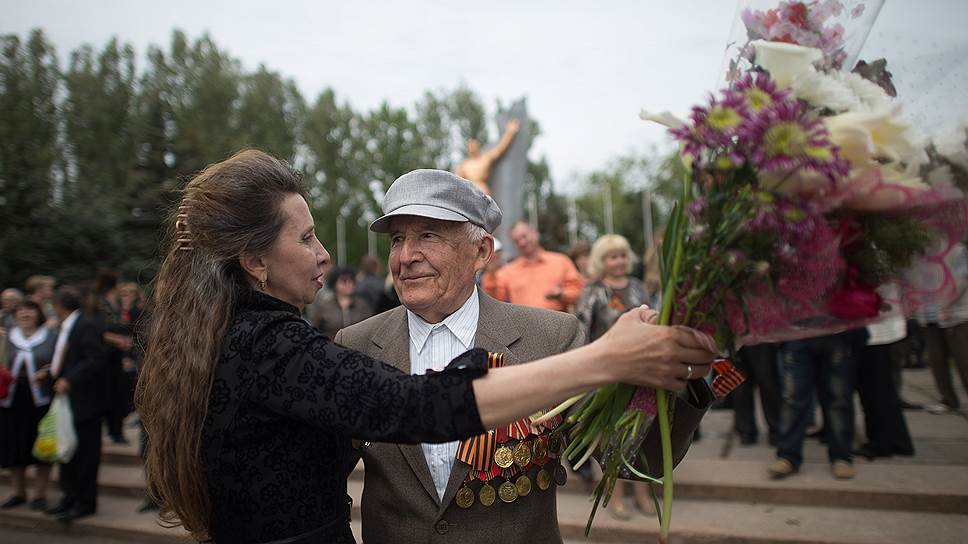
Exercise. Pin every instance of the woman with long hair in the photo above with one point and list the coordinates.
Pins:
(250, 411)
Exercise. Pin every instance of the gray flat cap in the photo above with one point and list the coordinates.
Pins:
(438, 194)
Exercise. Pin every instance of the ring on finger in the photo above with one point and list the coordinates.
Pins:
(688, 372)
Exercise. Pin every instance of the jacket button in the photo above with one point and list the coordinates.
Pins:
(442, 527)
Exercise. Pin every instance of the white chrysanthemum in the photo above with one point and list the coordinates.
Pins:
(839, 92)
(953, 145)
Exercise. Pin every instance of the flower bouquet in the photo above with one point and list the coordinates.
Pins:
(803, 214)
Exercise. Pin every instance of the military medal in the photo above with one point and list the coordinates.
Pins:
(540, 450)
(504, 457)
(560, 475)
(523, 485)
(522, 454)
(508, 492)
(555, 443)
(465, 497)
(487, 495)
(543, 479)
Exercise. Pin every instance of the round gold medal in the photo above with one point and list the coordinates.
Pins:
(508, 492)
(504, 457)
(465, 497)
(487, 495)
(543, 479)
(524, 485)
(522, 454)
(560, 475)
(540, 450)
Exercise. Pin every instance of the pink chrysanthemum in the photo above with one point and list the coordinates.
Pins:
(785, 139)
(760, 92)
(715, 126)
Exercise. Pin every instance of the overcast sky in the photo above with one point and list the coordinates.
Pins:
(585, 67)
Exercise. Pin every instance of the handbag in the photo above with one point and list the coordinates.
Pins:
(56, 438)
(6, 378)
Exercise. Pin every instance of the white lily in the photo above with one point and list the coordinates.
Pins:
(784, 61)
(664, 118)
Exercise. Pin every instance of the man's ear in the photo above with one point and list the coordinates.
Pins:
(485, 251)
(255, 267)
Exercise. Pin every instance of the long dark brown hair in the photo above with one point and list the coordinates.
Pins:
(231, 208)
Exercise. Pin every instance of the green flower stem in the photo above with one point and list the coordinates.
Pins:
(663, 397)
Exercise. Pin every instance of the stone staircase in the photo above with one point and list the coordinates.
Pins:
(723, 494)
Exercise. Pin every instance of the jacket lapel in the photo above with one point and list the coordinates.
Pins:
(495, 333)
(394, 340)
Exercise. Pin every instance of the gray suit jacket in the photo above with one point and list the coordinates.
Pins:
(400, 502)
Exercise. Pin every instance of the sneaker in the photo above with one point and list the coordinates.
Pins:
(781, 468)
(940, 409)
(842, 470)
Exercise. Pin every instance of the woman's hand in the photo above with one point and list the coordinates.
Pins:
(639, 352)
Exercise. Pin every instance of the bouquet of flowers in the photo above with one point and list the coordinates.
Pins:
(804, 213)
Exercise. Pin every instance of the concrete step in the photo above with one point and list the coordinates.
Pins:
(880, 485)
(694, 522)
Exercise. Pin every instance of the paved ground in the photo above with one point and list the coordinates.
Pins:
(723, 495)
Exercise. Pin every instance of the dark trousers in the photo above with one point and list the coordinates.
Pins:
(821, 365)
(78, 479)
(758, 364)
(944, 343)
(887, 431)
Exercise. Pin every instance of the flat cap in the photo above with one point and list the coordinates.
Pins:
(438, 194)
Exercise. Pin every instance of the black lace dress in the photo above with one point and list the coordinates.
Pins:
(284, 404)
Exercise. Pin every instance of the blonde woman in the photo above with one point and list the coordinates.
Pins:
(611, 293)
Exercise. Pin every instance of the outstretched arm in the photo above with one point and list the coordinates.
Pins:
(510, 130)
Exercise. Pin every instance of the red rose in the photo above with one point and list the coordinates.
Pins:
(855, 302)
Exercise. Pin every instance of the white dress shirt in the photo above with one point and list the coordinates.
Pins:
(60, 349)
(433, 346)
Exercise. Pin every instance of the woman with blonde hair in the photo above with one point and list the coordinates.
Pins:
(250, 411)
(611, 293)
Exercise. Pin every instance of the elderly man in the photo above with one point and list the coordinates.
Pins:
(439, 227)
(539, 278)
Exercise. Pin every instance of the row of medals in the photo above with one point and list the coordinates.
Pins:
(521, 455)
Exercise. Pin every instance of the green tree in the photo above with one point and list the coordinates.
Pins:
(270, 114)
(29, 152)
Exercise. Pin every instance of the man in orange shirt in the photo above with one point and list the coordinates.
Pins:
(539, 278)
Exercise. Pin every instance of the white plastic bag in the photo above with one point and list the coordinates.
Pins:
(56, 439)
(66, 436)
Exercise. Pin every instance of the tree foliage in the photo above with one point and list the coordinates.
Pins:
(92, 156)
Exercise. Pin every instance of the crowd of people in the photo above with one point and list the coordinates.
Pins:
(81, 343)
(306, 331)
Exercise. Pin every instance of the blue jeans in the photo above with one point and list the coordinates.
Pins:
(821, 365)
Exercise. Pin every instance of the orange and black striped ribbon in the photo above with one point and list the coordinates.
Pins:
(728, 377)
(478, 451)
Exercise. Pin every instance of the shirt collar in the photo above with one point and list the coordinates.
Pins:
(68, 323)
(462, 323)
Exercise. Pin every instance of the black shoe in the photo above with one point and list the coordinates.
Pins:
(71, 515)
(13, 502)
(904, 452)
(869, 453)
(39, 504)
(119, 439)
(905, 405)
(59, 508)
(747, 440)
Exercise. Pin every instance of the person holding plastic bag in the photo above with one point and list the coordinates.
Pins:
(30, 347)
(77, 370)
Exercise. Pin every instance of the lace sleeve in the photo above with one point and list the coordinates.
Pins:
(327, 385)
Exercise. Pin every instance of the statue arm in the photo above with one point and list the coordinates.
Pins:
(510, 130)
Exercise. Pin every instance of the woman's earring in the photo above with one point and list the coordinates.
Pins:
(262, 285)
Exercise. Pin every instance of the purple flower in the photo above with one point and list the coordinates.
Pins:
(786, 139)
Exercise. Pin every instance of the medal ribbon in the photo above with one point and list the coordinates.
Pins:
(478, 451)
(728, 377)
